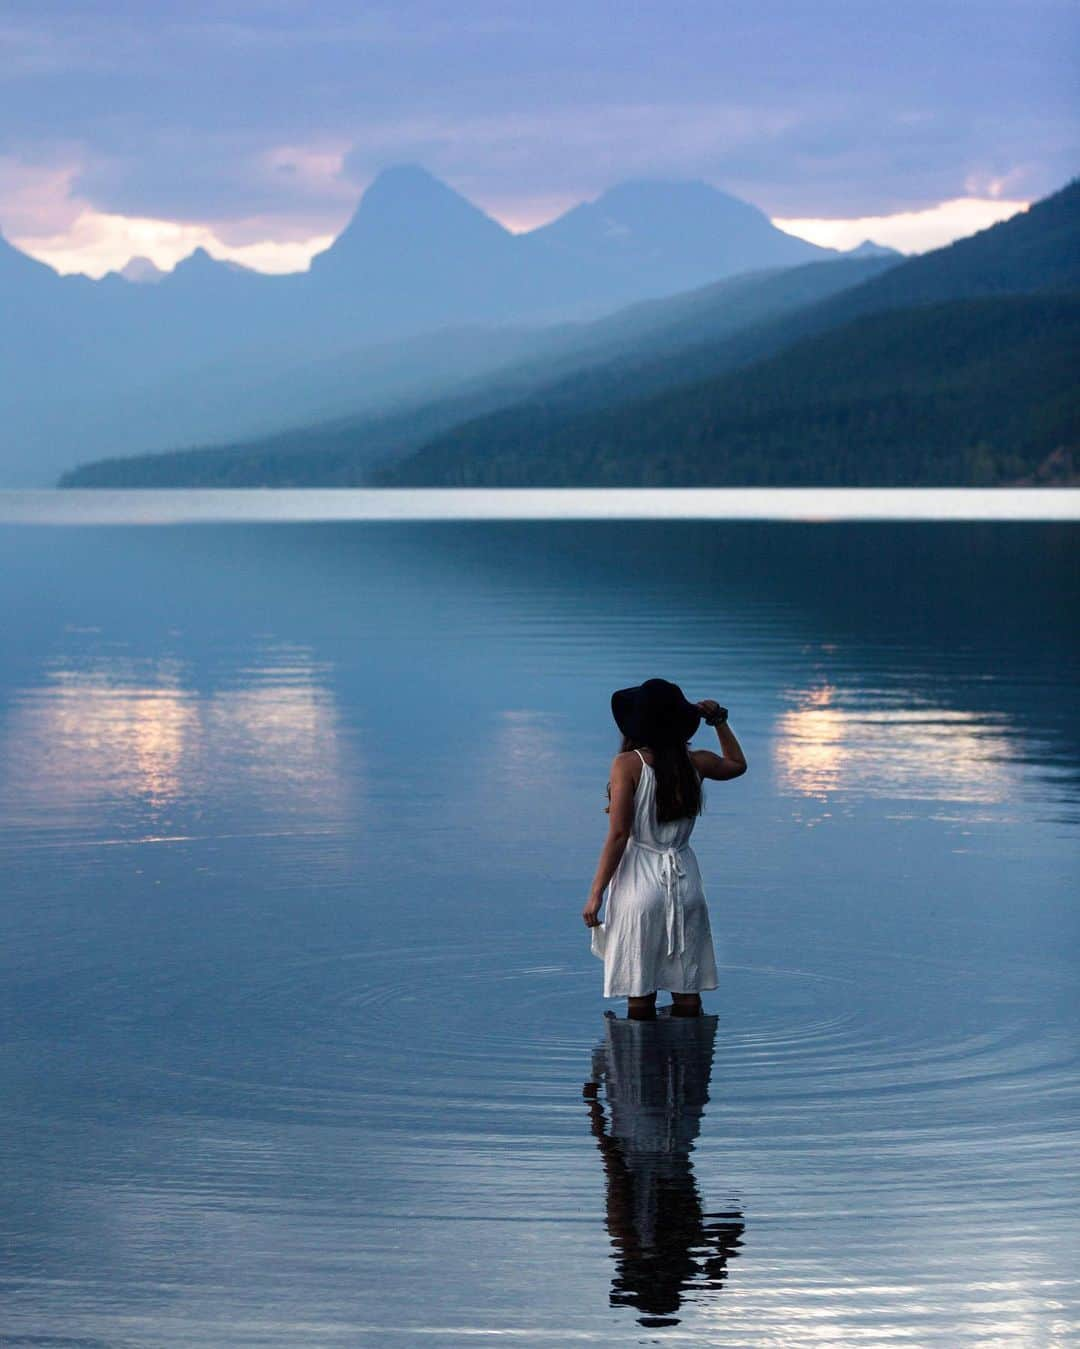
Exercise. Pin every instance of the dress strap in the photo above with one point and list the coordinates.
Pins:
(641, 757)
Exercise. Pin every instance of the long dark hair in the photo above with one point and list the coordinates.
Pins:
(678, 787)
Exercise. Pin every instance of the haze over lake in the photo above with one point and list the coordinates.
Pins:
(304, 1041)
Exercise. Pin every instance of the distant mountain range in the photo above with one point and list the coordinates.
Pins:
(953, 367)
(654, 344)
(956, 366)
(212, 349)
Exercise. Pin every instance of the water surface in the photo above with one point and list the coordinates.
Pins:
(303, 1042)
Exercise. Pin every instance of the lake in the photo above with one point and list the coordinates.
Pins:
(303, 1041)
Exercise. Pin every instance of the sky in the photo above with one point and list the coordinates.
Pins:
(253, 128)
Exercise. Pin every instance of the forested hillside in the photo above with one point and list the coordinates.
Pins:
(652, 345)
(970, 391)
(954, 366)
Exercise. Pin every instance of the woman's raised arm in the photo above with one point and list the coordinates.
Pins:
(731, 761)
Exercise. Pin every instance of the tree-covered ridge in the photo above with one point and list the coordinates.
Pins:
(965, 392)
(651, 345)
(951, 367)
(337, 454)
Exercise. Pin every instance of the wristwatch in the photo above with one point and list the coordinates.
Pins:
(721, 716)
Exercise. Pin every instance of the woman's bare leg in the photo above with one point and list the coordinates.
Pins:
(642, 1009)
(686, 1004)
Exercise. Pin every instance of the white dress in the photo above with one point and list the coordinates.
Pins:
(656, 931)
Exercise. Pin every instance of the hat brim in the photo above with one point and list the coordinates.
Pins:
(634, 717)
(625, 708)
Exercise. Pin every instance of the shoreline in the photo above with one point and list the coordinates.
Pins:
(179, 505)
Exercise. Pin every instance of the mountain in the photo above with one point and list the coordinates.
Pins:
(417, 253)
(653, 344)
(644, 379)
(108, 366)
(779, 405)
(141, 271)
(413, 233)
(965, 392)
(869, 249)
(408, 217)
(673, 235)
(1034, 250)
(199, 265)
(19, 273)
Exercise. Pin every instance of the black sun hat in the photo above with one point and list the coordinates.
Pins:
(655, 710)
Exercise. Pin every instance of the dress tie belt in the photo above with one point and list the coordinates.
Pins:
(671, 872)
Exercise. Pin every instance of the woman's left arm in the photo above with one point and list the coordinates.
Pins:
(620, 821)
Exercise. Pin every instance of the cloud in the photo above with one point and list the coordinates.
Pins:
(97, 242)
(909, 231)
(279, 113)
(583, 150)
(36, 197)
(46, 215)
(225, 177)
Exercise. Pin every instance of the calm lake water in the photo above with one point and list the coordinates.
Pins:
(302, 1040)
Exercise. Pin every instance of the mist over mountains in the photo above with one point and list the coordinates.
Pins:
(652, 344)
(666, 333)
(212, 350)
(955, 366)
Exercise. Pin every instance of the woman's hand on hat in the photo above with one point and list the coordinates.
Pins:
(709, 708)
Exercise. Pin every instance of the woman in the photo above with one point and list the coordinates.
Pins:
(656, 931)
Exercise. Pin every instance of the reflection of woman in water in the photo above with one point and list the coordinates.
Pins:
(655, 1080)
(656, 930)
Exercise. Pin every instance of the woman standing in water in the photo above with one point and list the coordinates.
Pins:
(656, 931)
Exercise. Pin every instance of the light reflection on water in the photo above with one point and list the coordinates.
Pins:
(302, 1060)
(823, 747)
(136, 743)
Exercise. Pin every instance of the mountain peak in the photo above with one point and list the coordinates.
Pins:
(643, 191)
(661, 198)
(681, 233)
(408, 179)
(406, 207)
(869, 249)
(201, 267)
(141, 271)
(197, 258)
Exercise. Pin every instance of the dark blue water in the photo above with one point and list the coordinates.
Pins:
(302, 1040)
